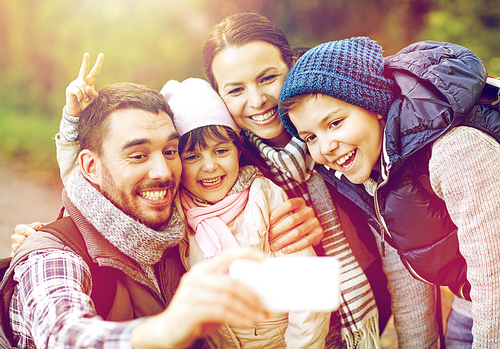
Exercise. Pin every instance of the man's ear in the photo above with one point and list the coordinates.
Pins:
(90, 164)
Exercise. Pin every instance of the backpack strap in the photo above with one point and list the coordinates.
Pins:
(6, 289)
(103, 278)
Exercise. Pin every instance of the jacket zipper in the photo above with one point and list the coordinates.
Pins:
(161, 285)
(380, 219)
(414, 273)
(384, 230)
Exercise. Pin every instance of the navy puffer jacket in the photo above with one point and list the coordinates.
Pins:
(437, 86)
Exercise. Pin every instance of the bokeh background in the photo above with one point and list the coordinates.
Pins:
(151, 41)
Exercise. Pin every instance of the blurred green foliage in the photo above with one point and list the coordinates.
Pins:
(152, 41)
(28, 137)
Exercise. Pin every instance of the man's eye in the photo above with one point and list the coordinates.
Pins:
(138, 157)
(170, 153)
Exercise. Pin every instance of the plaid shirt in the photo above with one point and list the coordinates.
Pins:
(51, 306)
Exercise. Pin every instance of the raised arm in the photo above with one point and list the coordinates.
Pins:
(79, 94)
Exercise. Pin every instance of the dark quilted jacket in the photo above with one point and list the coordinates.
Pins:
(437, 88)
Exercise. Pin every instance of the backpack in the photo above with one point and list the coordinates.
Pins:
(490, 96)
(104, 279)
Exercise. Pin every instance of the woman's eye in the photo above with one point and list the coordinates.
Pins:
(235, 91)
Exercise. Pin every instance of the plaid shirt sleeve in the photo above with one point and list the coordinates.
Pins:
(51, 306)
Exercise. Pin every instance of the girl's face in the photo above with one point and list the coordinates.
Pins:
(340, 135)
(249, 78)
(211, 172)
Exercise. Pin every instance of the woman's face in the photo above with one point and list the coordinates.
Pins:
(249, 78)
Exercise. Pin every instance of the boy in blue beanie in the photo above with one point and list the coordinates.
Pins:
(406, 140)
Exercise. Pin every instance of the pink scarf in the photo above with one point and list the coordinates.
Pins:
(210, 222)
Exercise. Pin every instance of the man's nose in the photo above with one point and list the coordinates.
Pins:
(159, 168)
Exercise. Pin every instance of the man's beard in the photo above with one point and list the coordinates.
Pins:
(126, 202)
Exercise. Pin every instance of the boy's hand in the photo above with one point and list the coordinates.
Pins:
(80, 92)
(294, 227)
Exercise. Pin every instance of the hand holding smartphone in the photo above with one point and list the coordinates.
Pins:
(292, 283)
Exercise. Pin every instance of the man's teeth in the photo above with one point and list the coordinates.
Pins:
(154, 195)
(265, 116)
(211, 182)
(344, 158)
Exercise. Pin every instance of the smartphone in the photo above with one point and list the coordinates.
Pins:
(292, 283)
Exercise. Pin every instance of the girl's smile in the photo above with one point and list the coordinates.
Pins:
(211, 172)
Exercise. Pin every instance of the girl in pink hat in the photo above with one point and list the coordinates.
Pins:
(228, 207)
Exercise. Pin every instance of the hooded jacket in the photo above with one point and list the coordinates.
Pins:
(437, 86)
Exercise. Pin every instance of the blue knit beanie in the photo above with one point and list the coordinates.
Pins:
(350, 70)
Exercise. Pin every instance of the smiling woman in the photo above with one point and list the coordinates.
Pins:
(247, 58)
(249, 78)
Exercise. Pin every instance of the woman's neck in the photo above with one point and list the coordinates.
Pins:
(279, 142)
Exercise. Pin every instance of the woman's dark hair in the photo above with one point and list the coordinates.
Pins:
(239, 29)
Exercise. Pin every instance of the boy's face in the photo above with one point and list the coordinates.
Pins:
(340, 135)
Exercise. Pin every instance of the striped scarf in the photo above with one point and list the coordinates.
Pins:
(293, 170)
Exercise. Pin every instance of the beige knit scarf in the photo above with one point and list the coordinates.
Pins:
(131, 237)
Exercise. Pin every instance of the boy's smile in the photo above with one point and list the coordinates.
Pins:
(340, 135)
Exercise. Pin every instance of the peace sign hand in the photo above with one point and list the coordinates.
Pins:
(80, 92)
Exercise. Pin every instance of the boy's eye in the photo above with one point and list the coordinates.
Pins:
(335, 123)
(310, 138)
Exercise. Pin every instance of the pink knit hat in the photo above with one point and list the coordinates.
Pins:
(195, 104)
